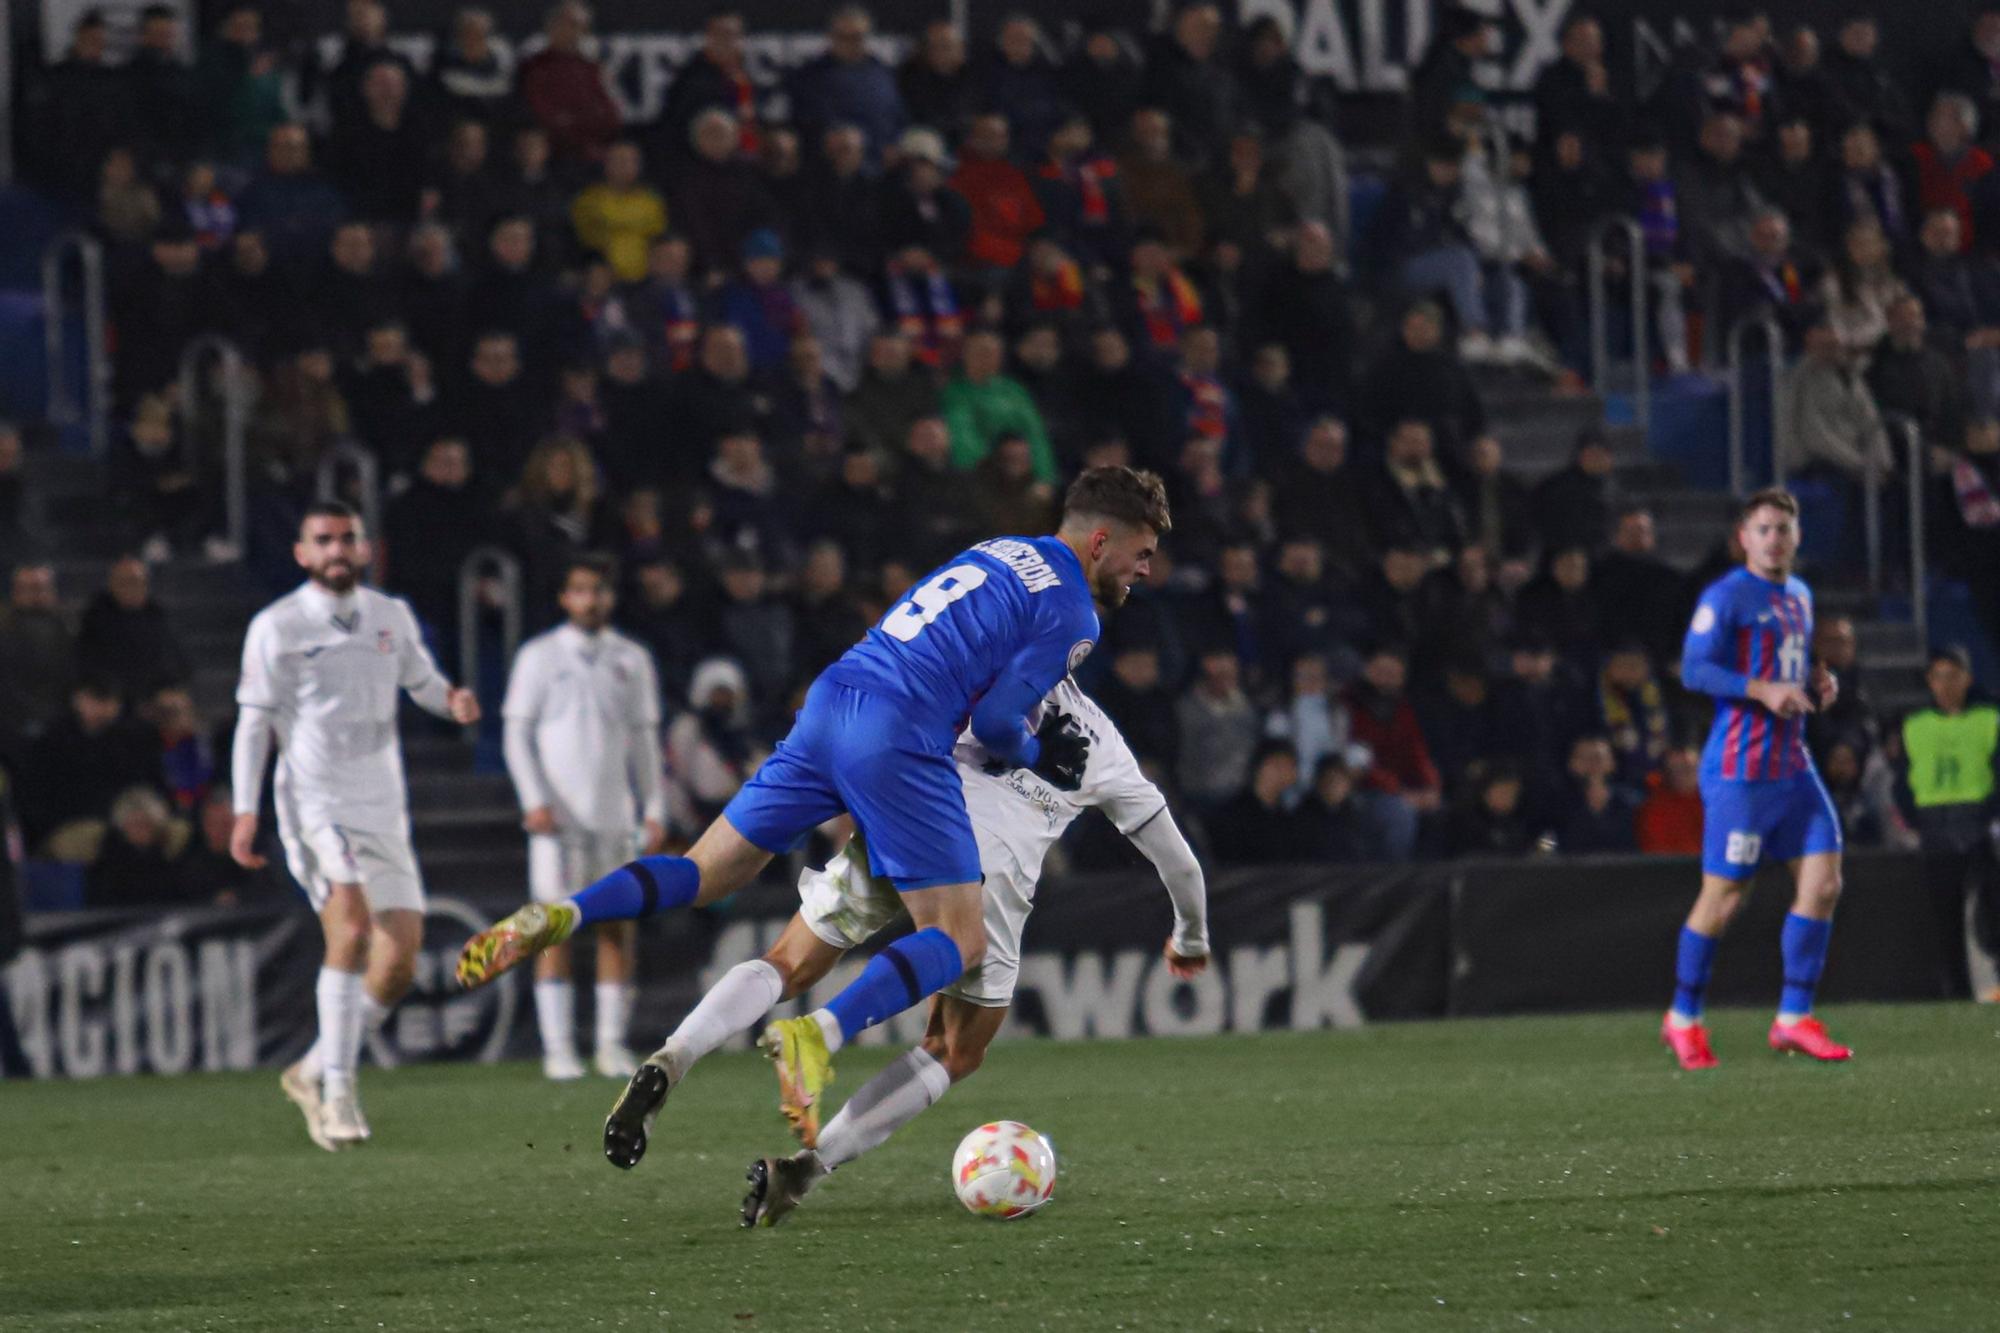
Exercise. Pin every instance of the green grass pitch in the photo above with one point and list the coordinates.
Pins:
(1538, 1173)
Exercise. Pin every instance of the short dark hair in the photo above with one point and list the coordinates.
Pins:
(1954, 653)
(329, 509)
(601, 563)
(1122, 494)
(1776, 497)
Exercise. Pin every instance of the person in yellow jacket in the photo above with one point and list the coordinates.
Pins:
(619, 216)
(1951, 748)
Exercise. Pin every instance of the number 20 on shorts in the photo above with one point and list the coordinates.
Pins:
(1743, 849)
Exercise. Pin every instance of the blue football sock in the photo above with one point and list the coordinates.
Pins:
(1696, 956)
(1804, 941)
(902, 974)
(648, 885)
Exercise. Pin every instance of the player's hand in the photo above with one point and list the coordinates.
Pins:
(1781, 697)
(243, 843)
(652, 838)
(1065, 751)
(1825, 686)
(540, 820)
(464, 706)
(1185, 966)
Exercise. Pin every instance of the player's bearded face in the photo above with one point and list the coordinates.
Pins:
(588, 602)
(1127, 558)
(332, 551)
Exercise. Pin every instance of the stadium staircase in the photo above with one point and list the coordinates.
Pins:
(1538, 429)
(466, 825)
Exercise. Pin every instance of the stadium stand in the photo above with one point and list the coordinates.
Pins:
(787, 342)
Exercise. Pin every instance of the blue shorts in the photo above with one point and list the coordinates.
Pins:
(1744, 824)
(866, 755)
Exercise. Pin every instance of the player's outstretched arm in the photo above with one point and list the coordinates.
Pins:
(1160, 841)
(425, 684)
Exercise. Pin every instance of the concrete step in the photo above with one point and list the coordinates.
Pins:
(482, 831)
(1884, 640)
(494, 870)
(431, 785)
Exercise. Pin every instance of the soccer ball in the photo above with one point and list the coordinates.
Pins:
(1004, 1169)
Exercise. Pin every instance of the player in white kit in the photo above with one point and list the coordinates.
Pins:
(1016, 817)
(322, 668)
(583, 748)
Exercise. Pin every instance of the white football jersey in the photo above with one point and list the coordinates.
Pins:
(591, 707)
(329, 669)
(1021, 814)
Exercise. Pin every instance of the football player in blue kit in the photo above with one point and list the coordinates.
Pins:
(1749, 646)
(981, 639)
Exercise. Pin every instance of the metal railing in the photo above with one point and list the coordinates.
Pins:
(481, 563)
(367, 481)
(1917, 465)
(66, 407)
(235, 391)
(1600, 316)
(1871, 513)
(1774, 358)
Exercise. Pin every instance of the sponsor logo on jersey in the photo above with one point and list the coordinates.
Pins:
(1704, 618)
(1079, 653)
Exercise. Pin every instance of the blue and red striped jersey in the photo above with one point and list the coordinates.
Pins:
(1748, 628)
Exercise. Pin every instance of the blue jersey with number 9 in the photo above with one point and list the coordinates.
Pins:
(1012, 605)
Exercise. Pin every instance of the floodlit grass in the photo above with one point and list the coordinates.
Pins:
(1535, 1173)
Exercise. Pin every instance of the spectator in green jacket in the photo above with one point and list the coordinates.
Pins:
(981, 404)
(1951, 748)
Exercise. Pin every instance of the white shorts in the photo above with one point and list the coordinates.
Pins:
(561, 863)
(381, 863)
(845, 906)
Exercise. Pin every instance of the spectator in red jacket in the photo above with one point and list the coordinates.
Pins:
(1949, 162)
(1382, 719)
(565, 90)
(1670, 817)
(1005, 211)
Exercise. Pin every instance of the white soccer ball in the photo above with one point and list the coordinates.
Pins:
(1004, 1169)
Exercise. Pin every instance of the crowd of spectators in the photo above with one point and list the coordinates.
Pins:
(107, 762)
(785, 345)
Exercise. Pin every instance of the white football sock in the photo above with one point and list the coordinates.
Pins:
(829, 1029)
(614, 1014)
(339, 1045)
(881, 1106)
(555, 1015)
(373, 1014)
(744, 994)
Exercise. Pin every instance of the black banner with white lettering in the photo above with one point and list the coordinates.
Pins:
(1365, 48)
(1297, 948)
(1529, 937)
(131, 992)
